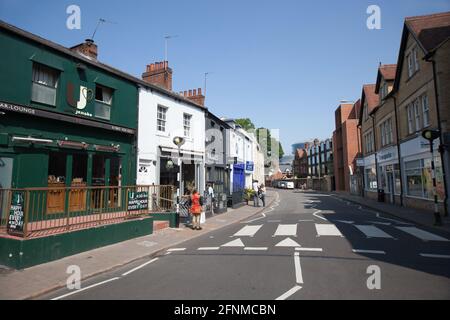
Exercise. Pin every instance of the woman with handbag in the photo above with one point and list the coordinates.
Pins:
(196, 209)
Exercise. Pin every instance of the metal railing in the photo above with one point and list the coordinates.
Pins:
(35, 212)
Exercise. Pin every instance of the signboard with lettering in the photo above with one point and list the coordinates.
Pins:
(16, 214)
(249, 166)
(137, 201)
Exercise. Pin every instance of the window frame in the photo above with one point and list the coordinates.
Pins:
(41, 68)
(187, 126)
(161, 122)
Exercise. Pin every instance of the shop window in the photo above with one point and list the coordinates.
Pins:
(115, 182)
(44, 84)
(370, 178)
(57, 168)
(103, 102)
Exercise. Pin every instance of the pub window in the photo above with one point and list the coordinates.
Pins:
(79, 170)
(103, 102)
(187, 124)
(57, 168)
(98, 170)
(44, 84)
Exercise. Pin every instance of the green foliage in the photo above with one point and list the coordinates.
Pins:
(248, 194)
(245, 123)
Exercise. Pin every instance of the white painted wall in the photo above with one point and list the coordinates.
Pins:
(150, 139)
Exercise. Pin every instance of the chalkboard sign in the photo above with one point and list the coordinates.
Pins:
(137, 201)
(16, 214)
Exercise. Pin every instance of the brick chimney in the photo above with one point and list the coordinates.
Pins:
(195, 95)
(159, 74)
(87, 49)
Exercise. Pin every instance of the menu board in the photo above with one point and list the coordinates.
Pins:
(16, 214)
(137, 201)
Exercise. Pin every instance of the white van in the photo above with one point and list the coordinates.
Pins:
(290, 185)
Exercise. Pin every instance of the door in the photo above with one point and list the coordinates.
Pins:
(6, 170)
(390, 181)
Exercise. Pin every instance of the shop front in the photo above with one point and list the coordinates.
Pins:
(370, 177)
(389, 174)
(417, 174)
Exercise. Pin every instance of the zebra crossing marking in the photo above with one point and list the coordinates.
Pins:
(421, 234)
(248, 231)
(287, 243)
(286, 230)
(234, 244)
(373, 232)
(327, 230)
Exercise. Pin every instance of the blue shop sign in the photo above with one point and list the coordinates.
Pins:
(249, 166)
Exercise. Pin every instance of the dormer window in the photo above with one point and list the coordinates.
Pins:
(384, 90)
(103, 102)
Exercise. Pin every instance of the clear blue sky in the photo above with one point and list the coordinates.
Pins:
(284, 64)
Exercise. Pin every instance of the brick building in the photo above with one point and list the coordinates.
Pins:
(346, 144)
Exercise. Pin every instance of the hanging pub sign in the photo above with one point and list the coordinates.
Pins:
(137, 201)
(16, 214)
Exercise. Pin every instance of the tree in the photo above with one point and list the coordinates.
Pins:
(246, 124)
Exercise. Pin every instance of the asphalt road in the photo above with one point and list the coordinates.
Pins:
(306, 246)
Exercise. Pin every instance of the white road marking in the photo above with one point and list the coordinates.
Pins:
(393, 220)
(176, 249)
(373, 232)
(430, 255)
(315, 214)
(289, 293)
(233, 244)
(273, 221)
(298, 268)
(306, 220)
(327, 230)
(309, 249)
(255, 248)
(83, 289)
(167, 253)
(139, 267)
(381, 223)
(248, 231)
(421, 234)
(287, 243)
(368, 251)
(253, 220)
(286, 230)
(208, 248)
(345, 221)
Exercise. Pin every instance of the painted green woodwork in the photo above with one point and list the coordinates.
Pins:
(16, 61)
(19, 254)
(167, 216)
(30, 167)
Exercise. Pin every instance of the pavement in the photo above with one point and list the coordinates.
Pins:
(305, 245)
(38, 280)
(420, 217)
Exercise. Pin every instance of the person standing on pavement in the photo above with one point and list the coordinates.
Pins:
(255, 193)
(196, 209)
(262, 194)
(211, 197)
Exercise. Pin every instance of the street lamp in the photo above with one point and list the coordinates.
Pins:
(432, 135)
(179, 141)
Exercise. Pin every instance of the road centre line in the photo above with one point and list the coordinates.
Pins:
(176, 249)
(298, 268)
(368, 251)
(83, 289)
(309, 249)
(429, 255)
(315, 214)
(208, 248)
(255, 248)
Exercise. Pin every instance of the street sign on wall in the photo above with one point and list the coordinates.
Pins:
(16, 214)
(137, 201)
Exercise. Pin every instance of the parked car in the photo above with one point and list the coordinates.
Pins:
(282, 184)
(290, 185)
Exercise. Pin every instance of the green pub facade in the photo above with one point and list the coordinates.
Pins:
(66, 120)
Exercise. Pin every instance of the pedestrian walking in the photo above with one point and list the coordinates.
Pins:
(255, 194)
(196, 209)
(262, 194)
(211, 197)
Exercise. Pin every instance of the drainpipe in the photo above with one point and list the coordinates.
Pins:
(428, 58)
(375, 148)
(398, 151)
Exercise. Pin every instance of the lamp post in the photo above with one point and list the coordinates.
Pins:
(179, 141)
(432, 135)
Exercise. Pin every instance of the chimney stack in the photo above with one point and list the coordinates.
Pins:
(88, 49)
(159, 74)
(195, 96)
